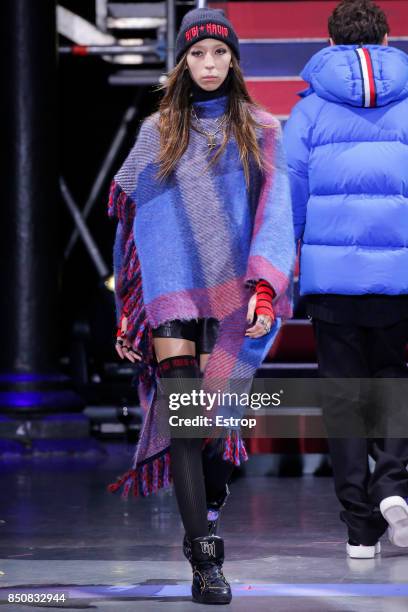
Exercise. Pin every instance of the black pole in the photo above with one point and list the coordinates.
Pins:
(30, 258)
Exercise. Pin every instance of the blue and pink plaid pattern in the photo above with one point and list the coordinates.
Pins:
(191, 247)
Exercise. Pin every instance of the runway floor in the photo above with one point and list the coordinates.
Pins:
(285, 551)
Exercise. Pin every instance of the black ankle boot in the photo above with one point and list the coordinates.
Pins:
(209, 583)
(213, 515)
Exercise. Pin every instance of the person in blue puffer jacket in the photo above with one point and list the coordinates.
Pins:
(347, 150)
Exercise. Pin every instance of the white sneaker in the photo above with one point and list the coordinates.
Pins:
(395, 511)
(359, 551)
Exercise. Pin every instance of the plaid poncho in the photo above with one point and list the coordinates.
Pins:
(191, 247)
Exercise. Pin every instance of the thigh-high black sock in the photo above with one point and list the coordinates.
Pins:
(217, 474)
(186, 456)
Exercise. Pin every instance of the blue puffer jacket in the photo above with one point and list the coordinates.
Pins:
(348, 167)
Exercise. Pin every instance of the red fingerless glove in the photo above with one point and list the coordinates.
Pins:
(264, 297)
(119, 333)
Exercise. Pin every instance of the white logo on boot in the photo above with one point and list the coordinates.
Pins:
(208, 548)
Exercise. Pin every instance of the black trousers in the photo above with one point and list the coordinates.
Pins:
(347, 351)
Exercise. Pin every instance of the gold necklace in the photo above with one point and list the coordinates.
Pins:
(212, 143)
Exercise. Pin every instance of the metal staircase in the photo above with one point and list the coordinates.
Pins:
(138, 35)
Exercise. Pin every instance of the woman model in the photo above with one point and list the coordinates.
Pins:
(204, 244)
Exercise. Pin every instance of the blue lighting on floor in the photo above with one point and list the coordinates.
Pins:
(238, 590)
(23, 398)
(13, 377)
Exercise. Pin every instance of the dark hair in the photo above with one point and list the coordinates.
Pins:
(355, 22)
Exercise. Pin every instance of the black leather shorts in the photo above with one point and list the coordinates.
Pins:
(203, 332)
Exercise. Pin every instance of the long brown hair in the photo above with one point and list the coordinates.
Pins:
(175, 113)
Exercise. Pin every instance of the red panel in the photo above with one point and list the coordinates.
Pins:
(299, 19)
(277, 96)
(296, 343)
